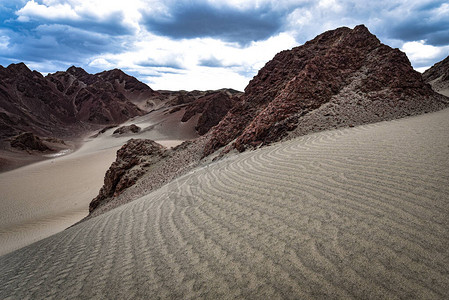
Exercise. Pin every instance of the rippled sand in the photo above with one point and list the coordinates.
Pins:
(45, 198)
(354, 213)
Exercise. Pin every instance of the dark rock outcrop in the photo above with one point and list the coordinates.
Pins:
(377, 82)
(134, 159)
(133, 128)
(29, 142)
(438, 76)
(212, 108)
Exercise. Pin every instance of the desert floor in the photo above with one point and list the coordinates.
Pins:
(353, 213)
(44, 198)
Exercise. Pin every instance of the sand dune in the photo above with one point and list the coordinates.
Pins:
(355, 213)
(44, 198)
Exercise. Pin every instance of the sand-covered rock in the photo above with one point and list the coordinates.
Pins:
(133, 128)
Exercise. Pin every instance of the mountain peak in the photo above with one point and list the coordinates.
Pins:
(341, 77)
(77, 71)
(19, 68)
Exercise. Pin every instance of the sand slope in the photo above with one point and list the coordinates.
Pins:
(44, 198)
(354, 213)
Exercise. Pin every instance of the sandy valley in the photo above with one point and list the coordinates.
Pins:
(350, 213)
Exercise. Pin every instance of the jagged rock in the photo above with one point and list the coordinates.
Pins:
(299, 82)
(133, 160)
(29, 142)
(133, 128)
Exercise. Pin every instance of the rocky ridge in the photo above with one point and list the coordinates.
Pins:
(319, 79)
(211, 107)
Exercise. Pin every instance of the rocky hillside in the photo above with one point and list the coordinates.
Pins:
(343, 77)
(64, 103)
(31, 103)
(211, 108)
(103, 98)
(438, 76)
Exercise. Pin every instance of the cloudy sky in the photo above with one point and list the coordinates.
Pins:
(204, 44)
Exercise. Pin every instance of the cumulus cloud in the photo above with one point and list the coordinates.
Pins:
(55, 12)
(189, 60)
(422, 55)
(204, 43)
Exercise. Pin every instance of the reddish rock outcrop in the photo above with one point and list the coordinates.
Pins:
(342, 63)
(133, 160)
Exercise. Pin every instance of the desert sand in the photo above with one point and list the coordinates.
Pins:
(44, 198)
(353, 213)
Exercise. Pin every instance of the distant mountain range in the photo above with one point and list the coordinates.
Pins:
(66, 103)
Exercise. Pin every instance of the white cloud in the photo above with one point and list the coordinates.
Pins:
(174, 64)
(200, 78)
(114, 33)
(419, 52)
(57, 11)
(4, 42)
(76, 10)
(101, 63)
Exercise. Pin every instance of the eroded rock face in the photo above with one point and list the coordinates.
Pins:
(133, 160)
(298, 82)
(212, 108)
(29, 142)
(133, 128)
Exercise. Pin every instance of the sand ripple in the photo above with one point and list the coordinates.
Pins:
(355, 213)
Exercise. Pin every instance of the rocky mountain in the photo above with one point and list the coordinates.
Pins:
(438, 76)
(31, 103)
(343, 77)
(103, 98)
(65, 103)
